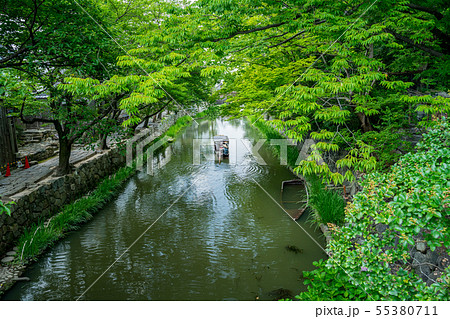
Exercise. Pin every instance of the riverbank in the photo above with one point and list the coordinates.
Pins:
(395, 243)
(37, 237)
(327, 205)
(202, 205)
(401, 236)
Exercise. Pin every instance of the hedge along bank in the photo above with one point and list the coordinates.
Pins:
(395, 245)
(43, 233)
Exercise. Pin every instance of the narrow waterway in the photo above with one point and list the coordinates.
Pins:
(221, 237)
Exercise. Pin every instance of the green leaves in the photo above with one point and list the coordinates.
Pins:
(412, 198)
(6, 208)
(219, 69)
(342, 68)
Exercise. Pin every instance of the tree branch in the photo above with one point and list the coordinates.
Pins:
(157, 112)
(90, 125)
(266, 27)
(437, 14)
(287, 40)
(411, 42)
(270, 26)
(34, 119)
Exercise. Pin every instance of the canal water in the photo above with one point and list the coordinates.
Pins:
(220, 236)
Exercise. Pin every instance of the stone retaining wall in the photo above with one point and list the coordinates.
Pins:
(41, 153)
(47, 197)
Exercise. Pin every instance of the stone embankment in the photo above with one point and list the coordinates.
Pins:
(427, 264)
(38, 145)
(43, 198)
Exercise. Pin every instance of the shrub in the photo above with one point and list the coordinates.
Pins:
(412, 199)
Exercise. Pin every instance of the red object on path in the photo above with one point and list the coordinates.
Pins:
(27, 165)
(8, 172)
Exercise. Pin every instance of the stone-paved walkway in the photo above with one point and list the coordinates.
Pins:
(20, 179)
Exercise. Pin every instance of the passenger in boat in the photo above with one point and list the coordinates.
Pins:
(225, 148)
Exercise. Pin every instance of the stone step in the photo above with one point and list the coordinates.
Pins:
(32, 135)
(7, 259)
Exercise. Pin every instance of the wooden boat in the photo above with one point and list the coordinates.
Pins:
(294, 197)
(221, 145)
(292, 182)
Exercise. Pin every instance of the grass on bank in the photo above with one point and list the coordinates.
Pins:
(45, 233)
(181, 123)
(327, 204)
(270, 133)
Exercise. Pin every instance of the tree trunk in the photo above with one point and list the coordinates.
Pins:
(103, 142)
(7, 142)
(146, 122)
(365, 124)
(65, 149)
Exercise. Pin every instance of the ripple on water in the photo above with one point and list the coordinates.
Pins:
(222, 239)
(256, 170)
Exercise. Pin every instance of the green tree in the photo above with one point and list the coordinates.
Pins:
(160, 66)
(328, 70)
(45, 42)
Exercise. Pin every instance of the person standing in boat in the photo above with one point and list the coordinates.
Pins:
(225, 148)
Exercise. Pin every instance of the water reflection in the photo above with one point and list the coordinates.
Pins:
(224, 239)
